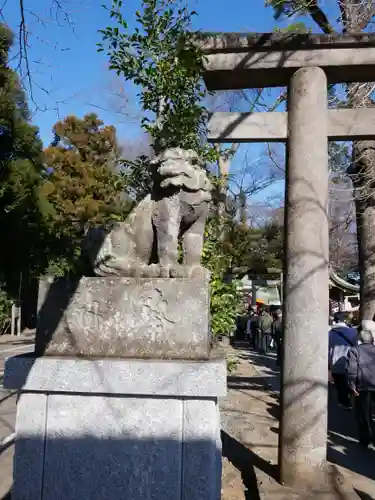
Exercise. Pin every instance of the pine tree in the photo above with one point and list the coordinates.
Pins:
(21, 170)
(83, 186)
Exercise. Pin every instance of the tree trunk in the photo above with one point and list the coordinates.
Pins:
(223, 167)
(243, 207)
(362, 172)
(223, 164)
(363, 175)
(356, 15)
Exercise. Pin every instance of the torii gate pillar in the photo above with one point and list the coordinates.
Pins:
(306, 64)
(303, 439)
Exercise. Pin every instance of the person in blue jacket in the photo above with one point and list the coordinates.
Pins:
(361, 381)
(341, 339)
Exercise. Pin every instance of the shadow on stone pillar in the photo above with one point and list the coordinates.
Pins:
(303, 436)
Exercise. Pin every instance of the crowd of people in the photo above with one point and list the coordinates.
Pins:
(264, 330)
(351, 360)
(351, 363)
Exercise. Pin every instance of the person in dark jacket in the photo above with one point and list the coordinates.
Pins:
(252, 326)
(277, 333)
(264, 329)
(341, 339)
(361, 380)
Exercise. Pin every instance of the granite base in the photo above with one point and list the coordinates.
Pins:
(129, 429)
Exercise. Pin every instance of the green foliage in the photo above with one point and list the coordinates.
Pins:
(240, 247)
(294, 28)
(286, 8)
(5, 310)
(254, 248)
(224, 300)
(47, 199)
(137, 177)
(293, 8)
(232, 364)
(83, 186)
(21, 169)
(224, 303)
(160, 57)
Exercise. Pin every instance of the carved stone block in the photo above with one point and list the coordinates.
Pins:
(124, 317)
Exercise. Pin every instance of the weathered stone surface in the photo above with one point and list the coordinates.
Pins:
(118, 448)
(118, 445)
(253, 60)
(176, 208)
(29, 447)
(343, 124)
(137, 377)
(202, 450)
(232, 42)
(124, 317)
(303, 438)
(331, 484)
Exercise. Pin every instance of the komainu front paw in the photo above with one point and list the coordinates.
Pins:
(151, 271)
(165, 271)
(189, 272)
(178, 271)
(173, 271)
(198, 273)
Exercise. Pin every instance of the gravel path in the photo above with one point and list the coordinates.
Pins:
(250, 435)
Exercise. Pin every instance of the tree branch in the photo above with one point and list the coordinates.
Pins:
(356, 16)
(319, 17)
(344, 16)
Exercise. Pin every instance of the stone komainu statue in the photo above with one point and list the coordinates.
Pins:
(146, 243)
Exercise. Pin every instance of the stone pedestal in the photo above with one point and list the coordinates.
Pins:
(116, 429)
(119, 400)
(124, 318)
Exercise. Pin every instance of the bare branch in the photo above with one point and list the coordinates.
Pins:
(355, 16)
(58, 15)
(319, 17)
(273, 160)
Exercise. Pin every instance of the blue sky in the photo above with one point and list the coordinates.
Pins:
(66, 64)
(70, 77)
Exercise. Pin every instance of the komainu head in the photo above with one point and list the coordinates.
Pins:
(179, 168)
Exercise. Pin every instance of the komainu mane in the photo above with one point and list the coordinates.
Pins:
(146, 243)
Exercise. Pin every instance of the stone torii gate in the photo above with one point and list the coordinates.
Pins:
(306, 64)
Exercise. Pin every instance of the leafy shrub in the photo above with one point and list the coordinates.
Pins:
(224, 298)
(5, 311)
